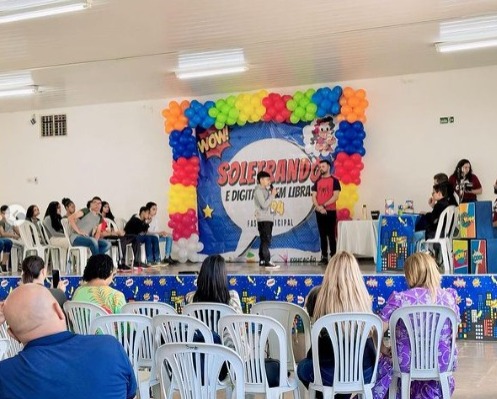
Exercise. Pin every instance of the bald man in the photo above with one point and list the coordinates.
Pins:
(56, 363)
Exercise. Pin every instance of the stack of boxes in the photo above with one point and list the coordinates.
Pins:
(475, 249)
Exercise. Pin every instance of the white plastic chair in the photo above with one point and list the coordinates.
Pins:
(208, 312)
(31, 239)
(424, 326)
(348, 333)
(175, 328)
(80, 252)
(195, 368)
(4, 346)
(14, 346)
(130, 330)
(147, 308)
(81, 314)
(285, 313)
(250, 334)
(443, 236)
(58, 259)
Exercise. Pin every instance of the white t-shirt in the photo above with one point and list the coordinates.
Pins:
(153, 226)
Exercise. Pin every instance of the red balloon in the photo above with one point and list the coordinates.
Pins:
(342, 156)
(356, 158)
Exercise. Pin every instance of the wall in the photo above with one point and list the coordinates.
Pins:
(119, 151)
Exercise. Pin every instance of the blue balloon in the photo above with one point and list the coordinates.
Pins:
(361, 134)
(337, 90)
(321, 112)
(326, 104)
(335, 108)
(317, 97)
(192, 124)
(327, 92)
(350, 149)
(195, 104)
(339, 134)
(362, 152)
(358, 125)
(344, 125)
(209, 104)
(187, 130)
(189, 112)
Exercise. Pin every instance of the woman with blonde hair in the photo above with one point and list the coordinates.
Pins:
(423, 280)
(342, 291)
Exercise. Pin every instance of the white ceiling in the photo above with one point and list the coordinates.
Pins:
(127, 50)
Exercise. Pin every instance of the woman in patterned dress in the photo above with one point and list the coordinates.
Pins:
(98, 275)
(423, 279)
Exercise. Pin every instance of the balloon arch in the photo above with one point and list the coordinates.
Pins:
(347, 106)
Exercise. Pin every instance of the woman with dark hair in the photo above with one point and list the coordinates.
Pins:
(212, 285)
(32, 214)
(69, 206)
(53, 226)
(464, 182)
(34, 270)
(106, 212)
(97, 277)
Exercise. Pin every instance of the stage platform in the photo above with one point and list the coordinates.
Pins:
(477, 294)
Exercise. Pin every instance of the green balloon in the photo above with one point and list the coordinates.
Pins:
(231, 100)
(291, 105)
(219, 104)
(308, 117)
(294, 118)
(231, 121)
(298, 96)
(304, 102)
(219, 125)
(213, 112)
(241, 122)
(233, 113)
(225, 109)
(221, 118)
(311, 108)
(309, 93)
(299, 112)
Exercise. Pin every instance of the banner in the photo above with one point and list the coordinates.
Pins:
(229, 162)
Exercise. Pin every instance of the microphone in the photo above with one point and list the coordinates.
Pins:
(271, 188)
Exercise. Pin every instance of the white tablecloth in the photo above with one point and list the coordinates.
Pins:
(358, 237)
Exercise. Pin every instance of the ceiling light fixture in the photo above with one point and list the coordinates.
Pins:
(19, 10)
(211, 63)
(23, 91)
(467, 34)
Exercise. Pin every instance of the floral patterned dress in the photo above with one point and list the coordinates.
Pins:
(107, 297)
(419, 389)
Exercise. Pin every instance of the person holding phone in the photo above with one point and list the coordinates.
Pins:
(35, 271)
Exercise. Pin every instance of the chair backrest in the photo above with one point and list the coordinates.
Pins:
(286, 313)
(4, 346)
(129, 329)
(14, 346)
(26, 230)
(120, 223)
(424, 324)
(147, 308)
(208, 312)
(454, 223)
(66, 228)
(111, 224)
(195, 369)
(446, 223)
(174, 328)
(250, 334)
(81, 314)
(348, 333)
(44, 233)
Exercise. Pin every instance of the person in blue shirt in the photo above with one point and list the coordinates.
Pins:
(55, 363)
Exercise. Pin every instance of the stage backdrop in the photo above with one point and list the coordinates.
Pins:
(229, 162)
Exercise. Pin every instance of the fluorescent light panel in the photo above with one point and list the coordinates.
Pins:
(467, 34)
(211, 63)
(18, 10)
(19, 92)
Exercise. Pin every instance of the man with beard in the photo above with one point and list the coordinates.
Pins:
(324, 197)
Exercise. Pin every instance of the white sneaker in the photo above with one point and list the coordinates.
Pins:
(271, 265)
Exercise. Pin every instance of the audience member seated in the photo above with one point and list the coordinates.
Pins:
(97, 277)
(153, 229)
(426, 226)
(55, 231)
(440, 178)
(34, 270)
(465, 183)
(56, 363)
(85, 228)
(106, 212)
(32, 214)
(423, 280)
(342, 290)
(310, 301)
(68, 206)
(137, 226)
(6, 229)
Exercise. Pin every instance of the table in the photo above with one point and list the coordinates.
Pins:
(358, 237)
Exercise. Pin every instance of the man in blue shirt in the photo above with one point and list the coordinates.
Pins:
(56, 363)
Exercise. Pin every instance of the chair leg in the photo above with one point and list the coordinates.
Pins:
(368, 393)
(444, 382)
(394, 387)
(144, 389)
(312, 393)
(405, 387)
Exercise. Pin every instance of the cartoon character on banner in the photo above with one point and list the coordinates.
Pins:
(319, 138)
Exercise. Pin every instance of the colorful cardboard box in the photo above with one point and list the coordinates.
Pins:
(475, 220)
(478, 256)
(492, 256)
(460, 251)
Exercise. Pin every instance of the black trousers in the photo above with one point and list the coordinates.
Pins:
(265, 235)
(327, 227)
